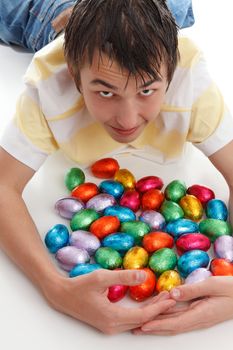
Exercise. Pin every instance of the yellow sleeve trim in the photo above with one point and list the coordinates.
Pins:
(189, 53)
(76, 108)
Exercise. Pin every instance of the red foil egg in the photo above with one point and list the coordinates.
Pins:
(145, 289)
(152, 199)
(117, 292)
(156, 240)
(191, 241)
(104, 226)
(105, 168)
(85, 191)
(204, 194)
(149, 182)
(221, 267)
(131, 199)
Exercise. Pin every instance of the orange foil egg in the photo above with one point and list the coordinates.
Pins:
(221, 267)
(152, 199)
(104, 226)
(85, 191)
(192, 207)
(156, 240)
(135, 258)
(125, 177)
(105, 168)
(145, 289)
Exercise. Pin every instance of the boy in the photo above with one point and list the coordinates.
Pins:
(121, 86)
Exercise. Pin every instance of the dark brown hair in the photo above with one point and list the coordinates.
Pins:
(138, 34)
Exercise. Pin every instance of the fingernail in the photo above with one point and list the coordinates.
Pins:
(140, 276)
(175, 293)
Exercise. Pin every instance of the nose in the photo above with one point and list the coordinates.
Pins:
(127, 115)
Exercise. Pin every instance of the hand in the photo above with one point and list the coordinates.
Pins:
(214, 305)
(85, 298)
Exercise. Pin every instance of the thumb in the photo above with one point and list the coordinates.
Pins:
(107, 278)
(212, 286)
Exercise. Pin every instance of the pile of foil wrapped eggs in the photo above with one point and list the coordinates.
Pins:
(124, 223)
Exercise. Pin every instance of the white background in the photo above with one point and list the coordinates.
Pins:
(26, 321)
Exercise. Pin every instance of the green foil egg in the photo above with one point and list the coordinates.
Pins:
(175, 190)
(137, 229)
(83, 219)
(108, 258)
(214, 228)
(135, 258)
(74, 178)
(171, 211)
(162, 260)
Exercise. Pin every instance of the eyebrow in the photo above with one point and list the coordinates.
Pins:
(112, 87)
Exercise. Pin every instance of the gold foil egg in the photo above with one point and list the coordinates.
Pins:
(192, 207)
(135, 258)
(126, 178)
(168, 280)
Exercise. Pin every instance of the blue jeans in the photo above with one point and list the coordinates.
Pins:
(28, 23)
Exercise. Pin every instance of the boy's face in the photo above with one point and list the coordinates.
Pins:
(123, 105)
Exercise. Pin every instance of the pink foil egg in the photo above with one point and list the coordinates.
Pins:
(197, 275)
(149, 182)
(203, 193)
(223, 247)
(68, 206)
(191, 241)
(131, 200)
(85, 240)
(69, 256)
(117, 292)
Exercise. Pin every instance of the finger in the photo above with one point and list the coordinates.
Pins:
(161, 296)
(212, 286)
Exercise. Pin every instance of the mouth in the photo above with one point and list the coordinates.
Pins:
(125, 132)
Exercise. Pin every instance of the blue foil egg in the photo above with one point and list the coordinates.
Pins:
(114, 188)
(216, 209)
(179, 227)
(56, 238)
(192, 260)
(119, 241)
(123, 213)
(83, 269)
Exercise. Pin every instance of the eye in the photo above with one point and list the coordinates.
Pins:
(106, 94)
(146, 92)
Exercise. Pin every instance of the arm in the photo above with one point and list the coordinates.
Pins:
(84, 297)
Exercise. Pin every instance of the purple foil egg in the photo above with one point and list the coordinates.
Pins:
(67, 207)
(154, 219)
(69, 256)
(197, 275)
(85, 240)
(100, 202)
(223, 247)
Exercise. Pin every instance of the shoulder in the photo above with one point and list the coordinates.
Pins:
(190, 53)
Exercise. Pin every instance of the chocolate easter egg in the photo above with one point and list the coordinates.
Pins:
(221, 267)
(156, 240)
(85, 191)
(100, 202)
(175, 190)
(179, 227)
(168, 280)
(198, 275)
(135, 258)
(214, 228)
(152, 199)
(162, 260)
(131, 200)
(56, 238)
(154, 219)
(148, 183)
(192, 260)
(203, 193)
(223, 247)
(84, 240)
(126, 178)
(105, 168)
(74, 178)
(144, 290)
(119, 241)
(83, 269)
(123, 213)
(191, 241)
(192, 207)
(171, 211)
(108, 258)
(70, 256)
(104, 226)
(114, 188)
(216, 209)
(83, 219)
(68, 206)
(137, 229)
(117, 292)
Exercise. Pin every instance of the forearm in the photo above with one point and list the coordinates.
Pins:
(20, 240)
(231, 205)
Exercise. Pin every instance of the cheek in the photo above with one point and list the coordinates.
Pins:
(99, 109)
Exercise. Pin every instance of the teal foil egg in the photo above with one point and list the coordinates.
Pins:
(124, 214)
(175, 190)
(191, 261)
(114, 188)
(214, 228)
(171, 211)
(179, 227)
(137, 229)
(83, 219)
(83, 269)
(216, 209)
(119, 241)
(162, 260)
(56, 238)
(108, 258)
